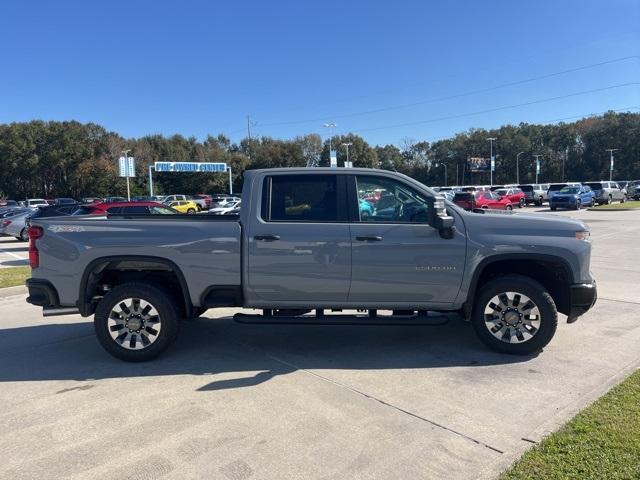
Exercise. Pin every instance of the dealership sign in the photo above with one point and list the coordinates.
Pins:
(190, 167)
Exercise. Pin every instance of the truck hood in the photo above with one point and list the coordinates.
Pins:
(525, 224)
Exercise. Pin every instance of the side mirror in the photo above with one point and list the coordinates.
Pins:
(438, 217)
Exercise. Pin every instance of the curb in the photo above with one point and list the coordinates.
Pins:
(612, 209)
(13, 291)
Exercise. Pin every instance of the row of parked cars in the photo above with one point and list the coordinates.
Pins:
(15, 216)
(573, 195)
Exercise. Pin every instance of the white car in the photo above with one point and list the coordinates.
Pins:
(226, 208)
(35, 202)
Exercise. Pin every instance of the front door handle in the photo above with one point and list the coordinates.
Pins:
(267, 238)
(369, 238)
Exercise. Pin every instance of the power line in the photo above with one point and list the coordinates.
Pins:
(459, 95)
(489, 110)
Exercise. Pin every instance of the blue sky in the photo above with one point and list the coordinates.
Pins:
(385, 70)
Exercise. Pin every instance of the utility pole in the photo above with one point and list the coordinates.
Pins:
(492, 162)
(537, 165)
(518, 168)
(249, 136)
(611, 150)
(565, 159)
(445, 171)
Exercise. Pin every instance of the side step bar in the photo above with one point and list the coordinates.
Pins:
(422, 319)
(54, 311)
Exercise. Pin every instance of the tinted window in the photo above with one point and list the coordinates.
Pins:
(555, 188)
(114, 210)
(135, 210)
(396, 202)
(526, 188)
(301, 198)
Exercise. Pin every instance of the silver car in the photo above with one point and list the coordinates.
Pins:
(16, 225)
(607, 192)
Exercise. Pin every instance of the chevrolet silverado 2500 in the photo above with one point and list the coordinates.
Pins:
(318, 239)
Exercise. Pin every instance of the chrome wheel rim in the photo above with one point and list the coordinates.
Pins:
(512, 317)
(134, 324)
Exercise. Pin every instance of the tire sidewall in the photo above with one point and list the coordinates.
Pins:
(163, 303)
(532, 289)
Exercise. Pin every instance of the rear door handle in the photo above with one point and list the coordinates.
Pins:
(369, 238)
(267, 238)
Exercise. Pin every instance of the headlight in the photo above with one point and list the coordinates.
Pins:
(583, 235)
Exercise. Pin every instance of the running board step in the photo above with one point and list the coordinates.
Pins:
(420, 320)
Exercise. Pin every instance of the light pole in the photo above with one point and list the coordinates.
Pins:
(492, 164)
(329, 125)
(230, 180)
(537, 165)
(445, 171)
(518, 167)
(347, 145)
(611, 150)
(126, 162)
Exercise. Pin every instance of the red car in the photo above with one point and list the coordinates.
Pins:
(124, 208)
(515, 195)
(492, 200)
(207, 198)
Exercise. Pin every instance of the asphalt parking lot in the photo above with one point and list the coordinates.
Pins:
(13, 253)
(236, 401)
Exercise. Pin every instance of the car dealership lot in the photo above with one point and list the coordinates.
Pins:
(249, 401)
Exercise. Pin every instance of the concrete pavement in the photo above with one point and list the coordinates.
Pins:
(236, 401)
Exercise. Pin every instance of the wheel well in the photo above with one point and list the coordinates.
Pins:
(553, 275)
(103, 275)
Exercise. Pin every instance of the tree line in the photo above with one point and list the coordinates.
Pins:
(56, 159)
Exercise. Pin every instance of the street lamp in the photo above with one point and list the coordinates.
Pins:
(329, 125)
(491, 140)
(518, 168)
(445, 171)
(611, 150)
(537, 165)
(347, 145)
(126, 162)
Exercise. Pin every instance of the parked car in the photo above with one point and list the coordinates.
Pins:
(607, 192)
(226, 208)
(534, 193)
(64, 201)
(633, 189)
(572, 196)
(207, 199)
(222, 200)
(114, 199)
(302, 247)
(465, 200)
(492, 201)
(556, 187)
(199, 200)
(35, 202)
(124, 208)
(515, 195)
(16, 225)
(183, 206)
(8, 203)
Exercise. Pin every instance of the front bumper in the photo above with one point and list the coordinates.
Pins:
(583, 297)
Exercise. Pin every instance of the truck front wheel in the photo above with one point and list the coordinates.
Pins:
(514, 314)
(136, 322)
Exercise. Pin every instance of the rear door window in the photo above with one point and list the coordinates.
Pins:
(302, 198)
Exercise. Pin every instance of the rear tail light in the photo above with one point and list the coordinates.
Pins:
(34, 256)
(6, 223)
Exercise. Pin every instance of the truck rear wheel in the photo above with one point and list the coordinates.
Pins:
(514, 314)
(136, 322)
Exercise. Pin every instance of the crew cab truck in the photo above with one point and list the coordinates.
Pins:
(301, 243)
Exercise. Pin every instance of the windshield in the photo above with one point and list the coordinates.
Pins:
(594, 186)
(570, 190)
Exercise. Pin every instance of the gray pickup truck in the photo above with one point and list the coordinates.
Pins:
(315, 239)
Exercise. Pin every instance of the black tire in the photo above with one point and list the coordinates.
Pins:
(24, 235)
(521, 203)
(191, 211)
(538, 203)
(578, 205)
(609, 200)
(198, 311)
(553, 209)
(624, 199)
(164, 304)
(532, 289)
(509, 208)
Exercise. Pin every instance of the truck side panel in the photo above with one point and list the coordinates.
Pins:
(206, 252)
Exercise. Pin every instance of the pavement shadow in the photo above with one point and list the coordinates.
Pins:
(14, 263)
(256, 353)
